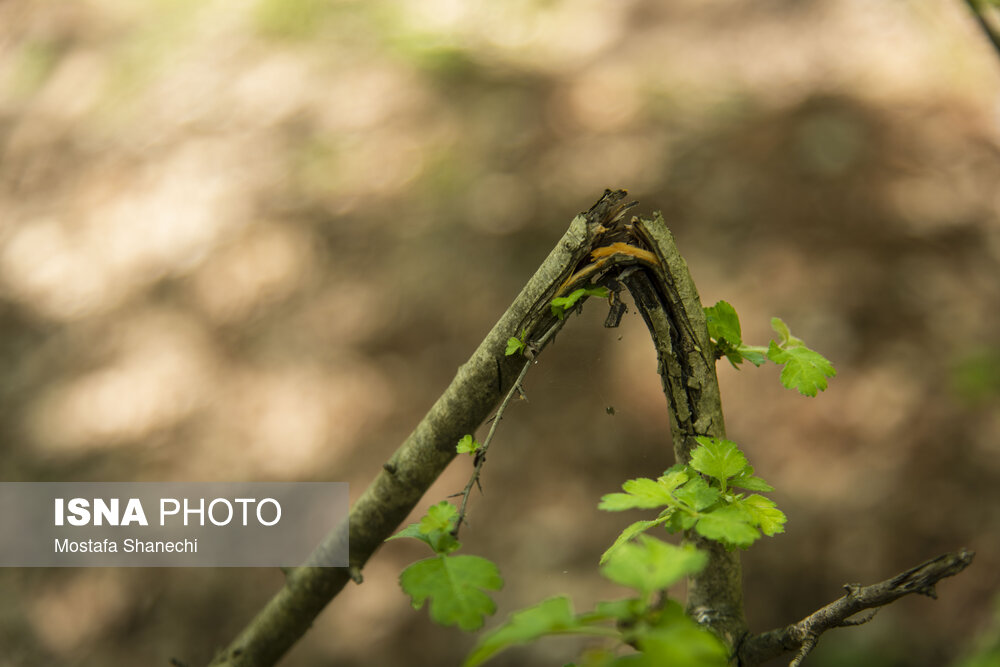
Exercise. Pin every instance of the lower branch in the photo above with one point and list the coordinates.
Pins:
(804, 635)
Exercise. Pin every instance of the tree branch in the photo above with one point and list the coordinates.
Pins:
(599, 248)
(804, 635)
(477, 388)
(666, 296)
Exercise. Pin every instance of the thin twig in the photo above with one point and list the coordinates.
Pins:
(802, 636)
(481, 452)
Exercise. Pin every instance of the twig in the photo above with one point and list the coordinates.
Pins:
(804, 635)
(485, 445)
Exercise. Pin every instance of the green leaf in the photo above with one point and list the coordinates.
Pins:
(412, 530)
(522, 627)
(553, 616)
(514, 345)
(674, 640)
(724, 323)
(454, 585)
(755, 354)
(697, 494)
(441, 516)
(467, 445)
(716, 458)
(681, 644)
(782, 330)
(747, 480)
(674, 476)
(443, 542)
(805, 370)
(651, 565)
(724, 329)
(434, 528)
(730, 524)
(680, 521)
(631, 531)
(765, 514)
(616, 610)
(563, 304)
(642, 493)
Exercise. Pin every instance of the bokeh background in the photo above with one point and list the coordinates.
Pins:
(254, 240)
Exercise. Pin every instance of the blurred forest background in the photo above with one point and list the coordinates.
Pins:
(254, 240)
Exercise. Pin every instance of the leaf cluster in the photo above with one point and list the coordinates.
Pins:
(661, 631)
(715, 495)
(803, 369)
(701, 496)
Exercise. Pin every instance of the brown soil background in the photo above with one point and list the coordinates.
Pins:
(253, 241)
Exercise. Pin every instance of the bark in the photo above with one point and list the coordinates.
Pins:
(668, 300)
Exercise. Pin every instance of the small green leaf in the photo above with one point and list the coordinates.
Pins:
(434, 528)
(680, 643)
(454, 585)
(697, 494)
(674, 476)
(805, 370)
(467, 445)
(782, 330)
(765, 514)
(650, 564)
(549, 617)
(615, 610)
(631, 531)
(441, 516)
(716, 458)
(730, 524)
(412, 530)
(747, 480)
(678, 522)
(641, 493)
(724, 323)
(563, 304)
(514, 346)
